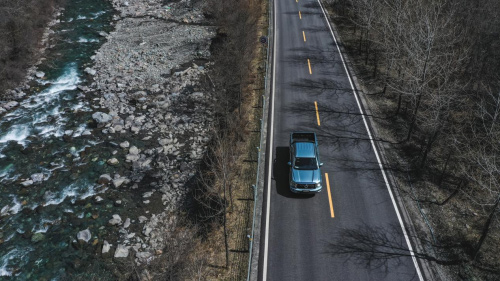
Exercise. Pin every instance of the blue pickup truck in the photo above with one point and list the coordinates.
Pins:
(305, 173)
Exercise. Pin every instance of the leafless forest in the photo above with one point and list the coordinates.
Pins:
(21, 27)
(431, 68)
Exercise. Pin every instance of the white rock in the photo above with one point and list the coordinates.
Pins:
(39, 74)
(10, 105)
(115, 220)
(126, 224)
(124, 144)
(121, 251)
(38, 177)
(84, 235)
(147, 230)
(113, 161)
(27, 183)
(142, 219)
(133, 150)
(106, 247)
(90, 71)
(118, 182)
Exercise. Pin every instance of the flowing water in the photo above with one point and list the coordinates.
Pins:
(39, 222)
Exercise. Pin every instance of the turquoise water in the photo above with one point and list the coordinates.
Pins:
(39, 223)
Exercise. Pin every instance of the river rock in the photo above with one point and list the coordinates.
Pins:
(10, 105)
(105, 247)
(119, 181)
(27, 183)
(38, 177)
(90, 71)
(147, 230)
(101, 118)
(142, 219)
(124, 144)
(126, 224)
(37, 237)
(115, 220)
(121, 251)
(40, 74)
(143, 256)
(113, 161)
(133, 150)
(84, 235)
(104, 179)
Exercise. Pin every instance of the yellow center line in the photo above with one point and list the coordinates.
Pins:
(304, 34)
(309, 63)
(317, 112)
(300, 15)
(329, 195)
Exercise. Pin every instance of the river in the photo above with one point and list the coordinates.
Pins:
(48, 139)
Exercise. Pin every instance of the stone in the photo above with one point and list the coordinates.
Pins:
(124, 144)
(118, 203)
(90, 71)
(126, 224)
(98, 198)
(37, 237)
(143, 255)
(84, 235)
(133, 150)
(147, 230)
(105, 247)
(40, 74)
(121, 251)
(38, 177)
(147, 194)
(113, 161)
(115, 220)
(10, 105)
(119, 181)
(101, 118)
(104, 179)
(27, 183)
(142, 219)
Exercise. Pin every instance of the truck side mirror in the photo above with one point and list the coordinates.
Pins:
(321, 164)
(289, 163)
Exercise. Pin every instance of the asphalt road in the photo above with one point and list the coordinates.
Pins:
(305, 233)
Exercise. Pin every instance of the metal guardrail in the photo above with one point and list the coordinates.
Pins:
(262, 140)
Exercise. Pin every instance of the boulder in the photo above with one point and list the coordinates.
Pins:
(126, 224)
(37, 237)
(105, 247)
(27, 183)
(101, 118)
(40, 74)
(119, 181)
(115, 220)
(133, 150)
(10, 105)
(142, 219)
(36, 178)
(124, 144)
(104, 179)
(121, 251)
(84, 235)
(113, 161)
(90, 71)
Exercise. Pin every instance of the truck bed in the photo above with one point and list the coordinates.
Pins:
(302, 137)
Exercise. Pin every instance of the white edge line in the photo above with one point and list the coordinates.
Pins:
(270, 156)
(417, 267)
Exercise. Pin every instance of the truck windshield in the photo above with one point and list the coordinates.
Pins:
(306, 164)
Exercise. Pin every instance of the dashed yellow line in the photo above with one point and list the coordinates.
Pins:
(317, 112)
(304, 35)
(300, 15)
(332, 213)
(309, 64)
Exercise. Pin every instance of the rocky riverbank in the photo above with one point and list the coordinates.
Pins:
(104, 160)
(147, 99)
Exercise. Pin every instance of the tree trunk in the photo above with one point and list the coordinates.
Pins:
(414, 118)
(486, 229)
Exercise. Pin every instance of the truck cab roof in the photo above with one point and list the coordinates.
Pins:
(305, 150)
